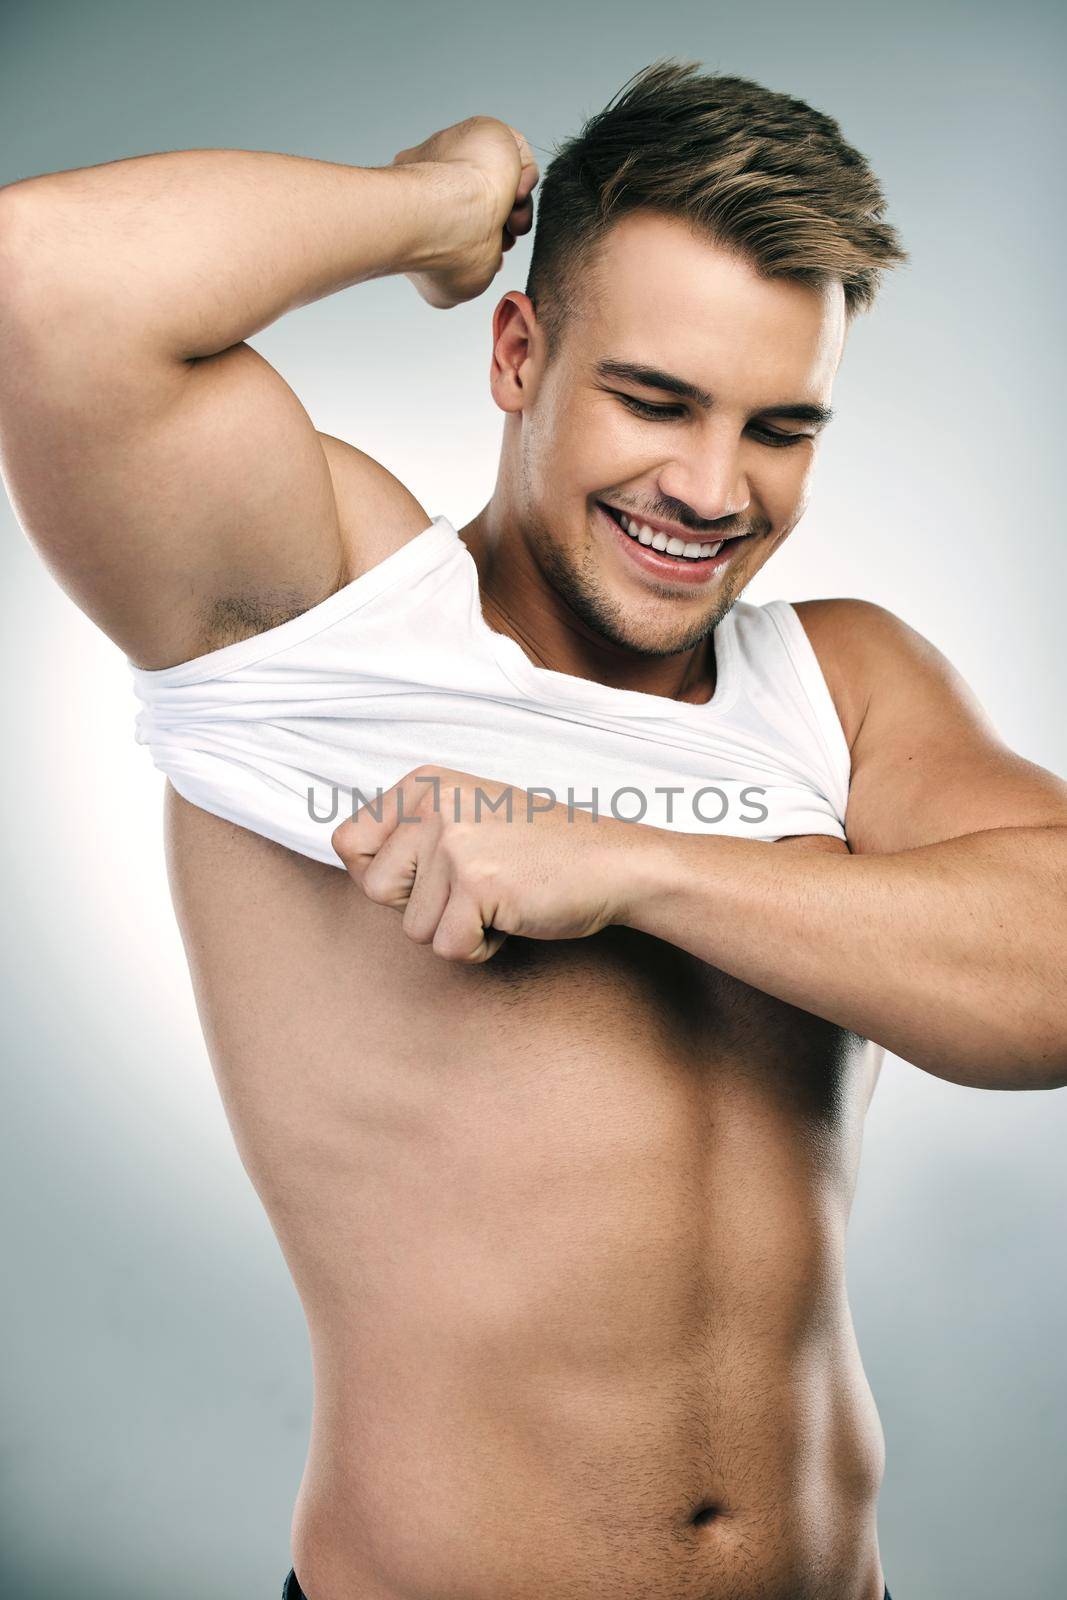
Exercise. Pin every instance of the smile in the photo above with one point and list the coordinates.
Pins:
(691, 550)
(683, 561)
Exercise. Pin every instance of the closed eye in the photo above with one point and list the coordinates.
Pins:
(769, 436)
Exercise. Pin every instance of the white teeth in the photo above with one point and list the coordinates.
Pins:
(673, 546)
(636, 530)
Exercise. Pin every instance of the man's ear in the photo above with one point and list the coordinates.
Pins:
(516, 341)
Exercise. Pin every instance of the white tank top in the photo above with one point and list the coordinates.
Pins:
(286, 732)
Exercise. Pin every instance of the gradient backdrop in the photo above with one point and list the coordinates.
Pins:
(156, 1378)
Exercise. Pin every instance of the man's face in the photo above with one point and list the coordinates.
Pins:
(726, 466)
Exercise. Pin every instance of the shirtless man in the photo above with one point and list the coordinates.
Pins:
(557, 1120)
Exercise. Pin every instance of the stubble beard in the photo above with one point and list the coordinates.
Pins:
(577, 582)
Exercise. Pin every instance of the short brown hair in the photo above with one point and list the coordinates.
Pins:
(755, 171)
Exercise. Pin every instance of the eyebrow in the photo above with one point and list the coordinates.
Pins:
(654, 378)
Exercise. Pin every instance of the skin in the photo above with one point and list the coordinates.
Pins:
(565, 1209)
(573, 1228)
(550, 576)
(943, 822)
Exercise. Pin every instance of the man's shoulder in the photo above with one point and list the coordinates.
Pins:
(888, 680)
(855, 622)
(855, 641)
(376, 512)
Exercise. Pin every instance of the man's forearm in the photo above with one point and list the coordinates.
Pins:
(195, 250)
(952, 955)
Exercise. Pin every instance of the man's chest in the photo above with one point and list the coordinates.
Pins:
(301, 981)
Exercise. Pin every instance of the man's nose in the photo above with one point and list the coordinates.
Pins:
(713, 483)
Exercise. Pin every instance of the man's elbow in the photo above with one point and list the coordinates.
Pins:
(1001, 1069)
(1039, 1075)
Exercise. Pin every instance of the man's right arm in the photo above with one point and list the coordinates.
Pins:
(158, 463)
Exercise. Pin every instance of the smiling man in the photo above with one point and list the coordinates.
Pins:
(554, 1093)
(633, 503)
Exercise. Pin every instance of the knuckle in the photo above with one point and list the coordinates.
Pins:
(451, 844)
(469, 871)
(343, 840)
(442, 946)
(374, 886)
(418, 929)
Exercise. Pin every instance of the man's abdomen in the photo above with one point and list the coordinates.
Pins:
(568, 1229)
(530, 1458)
(592, 1353)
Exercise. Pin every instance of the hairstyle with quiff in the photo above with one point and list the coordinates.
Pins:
(757, 172)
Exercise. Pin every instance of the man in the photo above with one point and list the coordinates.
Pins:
(561, 1156)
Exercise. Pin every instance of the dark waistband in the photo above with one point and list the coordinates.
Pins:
(293, 1591)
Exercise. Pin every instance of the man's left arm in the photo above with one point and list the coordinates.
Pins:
(943, 934)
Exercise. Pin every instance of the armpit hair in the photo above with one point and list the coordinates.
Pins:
(236, 617)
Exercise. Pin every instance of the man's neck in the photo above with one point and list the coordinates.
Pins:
(518, 601)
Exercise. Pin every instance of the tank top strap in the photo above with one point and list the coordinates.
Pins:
(824, 722)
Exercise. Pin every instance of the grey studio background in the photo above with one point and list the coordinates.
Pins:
(156, 1374)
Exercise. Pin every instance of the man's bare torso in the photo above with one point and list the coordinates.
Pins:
(568, 1229)
(569, 1224)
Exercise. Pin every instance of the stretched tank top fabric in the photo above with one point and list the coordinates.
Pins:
(286, 732)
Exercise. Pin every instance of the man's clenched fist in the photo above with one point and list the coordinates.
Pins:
(468, 861)
(493, 166)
